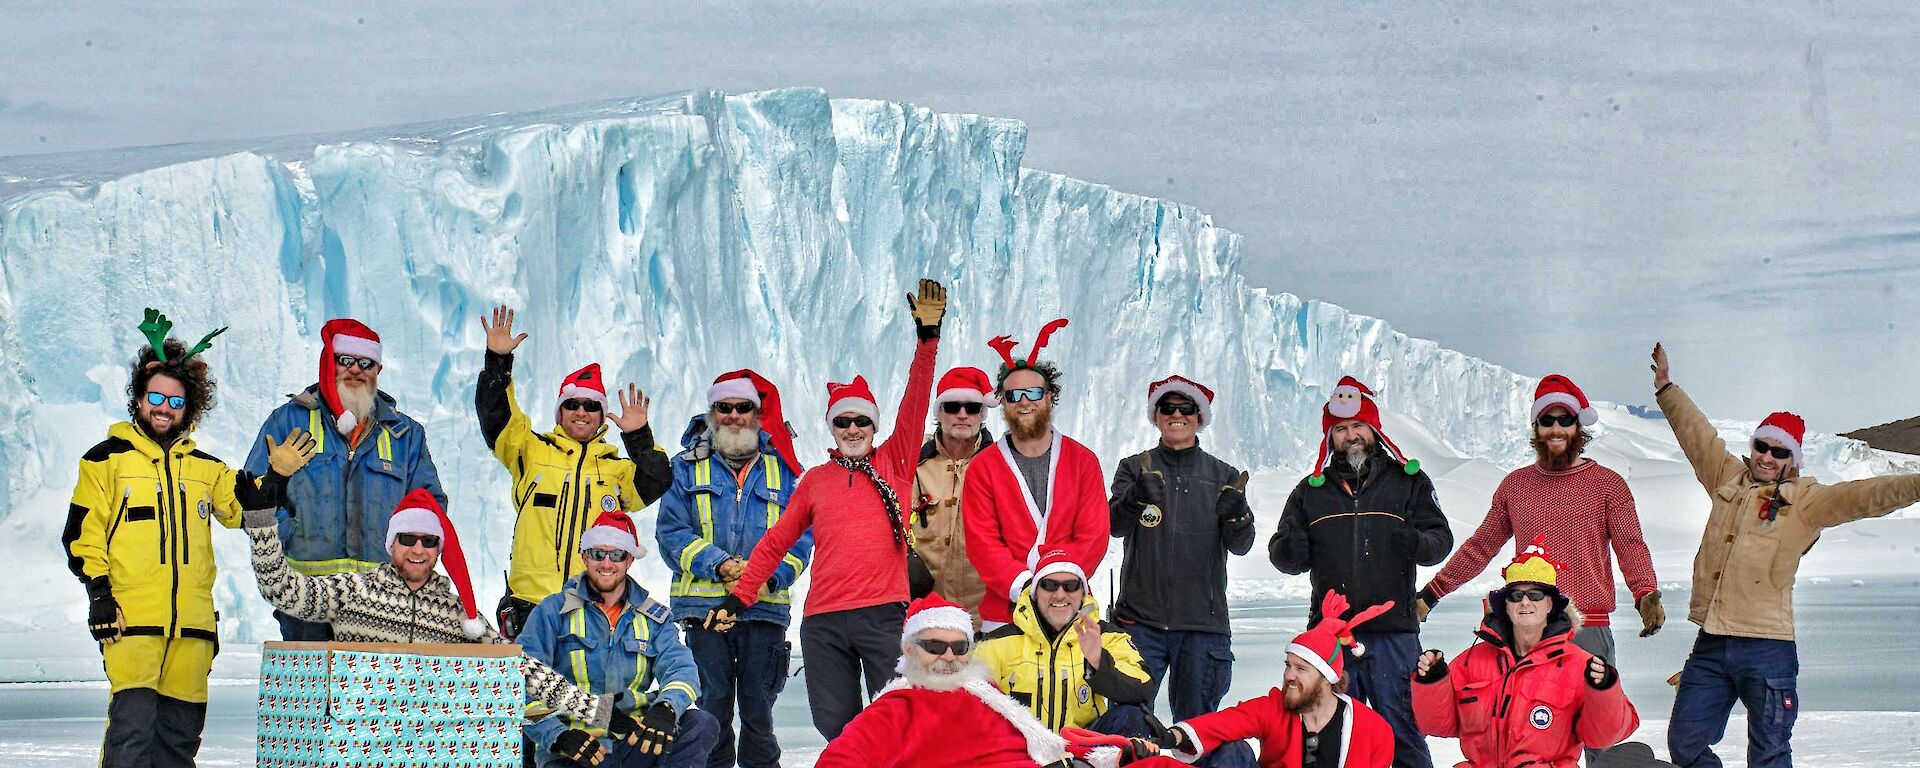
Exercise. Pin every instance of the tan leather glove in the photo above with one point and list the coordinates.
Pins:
(1652, 616)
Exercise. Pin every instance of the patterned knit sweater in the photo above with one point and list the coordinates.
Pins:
(1580, 511)
(377, 607)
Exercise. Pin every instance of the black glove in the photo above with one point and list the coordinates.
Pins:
(622, 727)
(512, 613)
(579, 747)
(1233, 499)
(656, 729)
(1435, 672)
(1151, 489)
(1172, 739)
(1423, 603)
(723, 617)
(1601, 675)
(103, 612)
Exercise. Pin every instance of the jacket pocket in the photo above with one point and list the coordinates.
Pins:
(1475, 708)
(137, 514)
(780, 657)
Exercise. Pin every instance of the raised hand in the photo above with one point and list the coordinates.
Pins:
(500, 338)
(1600, 676)
(1087, 629)
(930, 307)
(289, 456)
(634, 406)
(1432, 666)
(1660, 378)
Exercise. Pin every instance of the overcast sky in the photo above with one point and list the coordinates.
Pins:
(1548, 186)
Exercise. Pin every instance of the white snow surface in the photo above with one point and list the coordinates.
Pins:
(671, 239)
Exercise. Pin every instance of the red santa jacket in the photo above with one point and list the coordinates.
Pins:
(975, 726)
(1003, 522)
(1365, 739)
(1537, 710)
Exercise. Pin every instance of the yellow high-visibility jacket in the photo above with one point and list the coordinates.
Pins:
(1053, 677)
(142, 517)
(559, 484)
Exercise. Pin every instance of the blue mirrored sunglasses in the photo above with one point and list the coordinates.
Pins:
(175, 402)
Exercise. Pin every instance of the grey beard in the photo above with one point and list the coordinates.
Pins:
(356, 400)
(736, 442)
(1357, 454)
(961, 673)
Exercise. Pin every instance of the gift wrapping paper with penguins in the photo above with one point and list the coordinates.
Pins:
(328, 705)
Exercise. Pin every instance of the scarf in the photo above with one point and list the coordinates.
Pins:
(864, 465)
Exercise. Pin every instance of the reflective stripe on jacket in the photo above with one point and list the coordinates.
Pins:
(708, 516)
(569, 633)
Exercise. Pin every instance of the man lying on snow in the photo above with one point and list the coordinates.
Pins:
(404, 601)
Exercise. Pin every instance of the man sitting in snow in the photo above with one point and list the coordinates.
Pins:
(404, 601)
(945, 711)
(1069, 667)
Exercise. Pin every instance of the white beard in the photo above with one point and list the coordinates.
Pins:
(922, 677)
(357, 401)
(736, 442)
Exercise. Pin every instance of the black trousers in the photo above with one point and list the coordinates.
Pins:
(145, 729)
(837, 647)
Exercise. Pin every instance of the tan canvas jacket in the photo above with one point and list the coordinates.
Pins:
(1744, 572)
(937, 527)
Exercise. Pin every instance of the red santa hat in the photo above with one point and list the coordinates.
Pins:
(1786, 429)
(420, 512)
(586, 384)
(1058, 561)
(935, 612)
(343, 336)
(764, 394)
(1559, 390)
(1353, 401)
(1319, 646)
(851, 397)
(1181, 385)
(615, 530)
(965, 385)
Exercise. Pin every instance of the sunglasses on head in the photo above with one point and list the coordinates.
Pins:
(1183, 409)
(1563, 420)
(944, 647)
(958, 407)
(1536, 594)
(1064, 585)
(175, 402)
(427, 540)
(351, 361)
(598, 555)
(742, 407)
(1026, 393)
(844, 422)
(581, 404)
(1758, 446)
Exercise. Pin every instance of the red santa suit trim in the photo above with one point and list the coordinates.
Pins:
(1007, 529)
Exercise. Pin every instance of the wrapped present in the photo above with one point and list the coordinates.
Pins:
(391, 705)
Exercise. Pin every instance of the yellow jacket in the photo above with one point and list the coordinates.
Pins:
(559, 485)
(1053, 678)
(1744, 572)
(142, 517)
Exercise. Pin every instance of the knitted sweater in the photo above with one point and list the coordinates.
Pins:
(378, 607)
(1580, 511)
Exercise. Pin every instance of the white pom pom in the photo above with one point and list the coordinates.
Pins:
(345, 422)
(1359, 649)
(474, 627)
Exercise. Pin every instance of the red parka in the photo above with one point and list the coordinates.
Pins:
(1537, 710)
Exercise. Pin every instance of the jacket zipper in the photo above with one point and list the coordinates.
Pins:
(121, 514)
(1053, 679)
(160, 518)
(173, 600)
(578, 519)
(184, 534)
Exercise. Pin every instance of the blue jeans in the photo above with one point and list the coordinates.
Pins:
(1382, 679)
(1759, 673)
(1201, 667)
(692, 740)
(748, 667)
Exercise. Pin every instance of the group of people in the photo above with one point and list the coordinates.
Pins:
(949, 618)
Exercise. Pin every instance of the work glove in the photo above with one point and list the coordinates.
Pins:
(578, 747)
(656, 729)
(1601, 675)
(622, 727)
(1151, 489)
(1233, 499)
(1172, 740)
(1423, 603)
(929, 309)
(723, 617)
(289, 456)
(1652, 616)
(104, 620)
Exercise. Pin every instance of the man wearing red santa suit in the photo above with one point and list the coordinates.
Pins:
(945, 711)
(1310, 722)
(1035, 490)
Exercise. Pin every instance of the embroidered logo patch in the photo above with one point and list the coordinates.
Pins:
(1540, 717)
(1151, 517)
(607, 504)
(1086, 694)
(206, 509)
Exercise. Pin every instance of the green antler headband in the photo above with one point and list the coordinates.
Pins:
(155, 327)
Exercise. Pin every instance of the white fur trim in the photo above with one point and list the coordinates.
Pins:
(855, 405)
(741, 389)
(609, 536)
(1346, 728)
(1064, 566)
(1199, 749)
(345, 422)
(1103, 757)
(1192, 392)
(964, 395)
(473, 627)
(1588, 416)
(1778, 435)
(571, 391)
(1309, 656)
(1043, 745)
(356, 346)
(1018, 586)
(942, 617)
(413, 520)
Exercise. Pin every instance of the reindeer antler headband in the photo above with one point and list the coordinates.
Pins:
(1005, 345)
(156, 326)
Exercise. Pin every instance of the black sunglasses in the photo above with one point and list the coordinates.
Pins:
(742, 407)
(958, 407)
(1069, 585)
(581, 404)
(844, 422)
(1536, 595)
(597, 555)
(427, 540)
(943, 647)
(1310, 750)
(351, 361)
(1564, 420)
(1184, 409)
(1777, 451)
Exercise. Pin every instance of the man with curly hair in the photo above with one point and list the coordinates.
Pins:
(139, 536)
